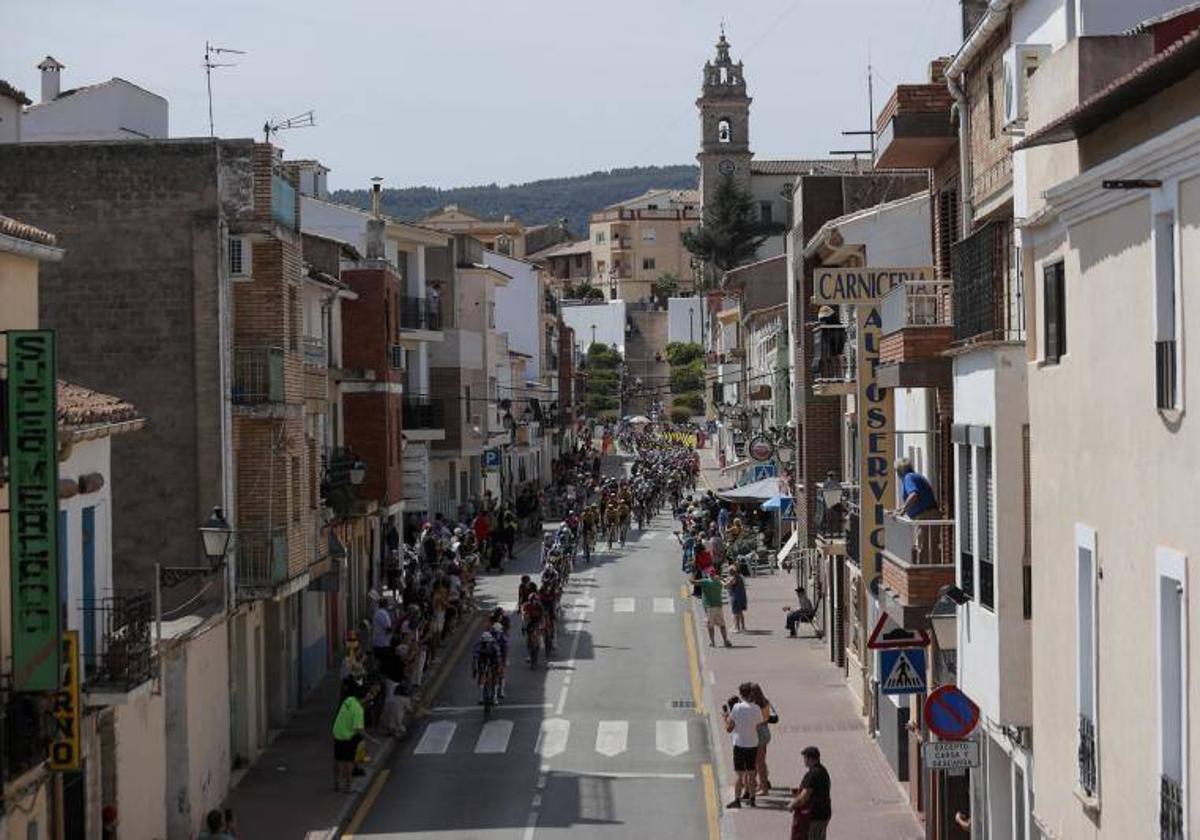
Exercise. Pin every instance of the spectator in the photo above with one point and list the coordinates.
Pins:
(811, 807)
(919, 501)
(804, 612)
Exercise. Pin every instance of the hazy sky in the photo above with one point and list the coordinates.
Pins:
(459, 92)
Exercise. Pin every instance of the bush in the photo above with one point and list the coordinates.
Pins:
(687, 378)
(693, 401)
(680, 415)
(683, 353)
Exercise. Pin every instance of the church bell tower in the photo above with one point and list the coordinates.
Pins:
(724, 124)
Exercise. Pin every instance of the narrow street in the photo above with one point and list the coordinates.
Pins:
(604, 743)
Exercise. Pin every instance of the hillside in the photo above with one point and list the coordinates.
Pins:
(536, 202)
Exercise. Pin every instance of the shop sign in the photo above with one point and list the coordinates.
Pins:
(33, 509)
(876, 419)
(863, 284)
(951, 755)
(64, 746)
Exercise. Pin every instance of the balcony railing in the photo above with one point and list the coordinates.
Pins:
(315, 351)
(1087, 755)
(922, 304)
(919, 542)
(1164, 373)
(262, 560)
(125, 656)
(1170, 809)
(396, 357)
(420, 412)
(550, 305)
(419, 314)
(552, 360)
(257, 375)
(27, 730)
(987, 305)
(831, 362)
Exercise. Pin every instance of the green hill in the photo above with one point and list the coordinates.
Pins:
(534, 203)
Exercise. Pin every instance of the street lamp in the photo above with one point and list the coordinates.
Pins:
(215, 534)
(358, 472)
(831, 491)
(943, 622)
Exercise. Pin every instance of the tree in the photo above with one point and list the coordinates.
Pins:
(732, 230)
(682, 352)
(665, 286)
(584, 291)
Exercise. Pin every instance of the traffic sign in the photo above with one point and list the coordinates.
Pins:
(950, 714)
(787, 510)
(951, 755)
(491, 459)
(888, 635)
(903, 671)
(760, 449)
(762, 471)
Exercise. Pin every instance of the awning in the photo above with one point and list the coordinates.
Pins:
(758, 491)
(787, 547)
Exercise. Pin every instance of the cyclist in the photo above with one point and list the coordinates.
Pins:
(611, 523)
(527, 588)
(588, 525)
(500, 634)
(549, 599)
(623, 514)
(534, 623)
(485, 666)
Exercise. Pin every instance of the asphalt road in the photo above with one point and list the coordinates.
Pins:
(604, 743)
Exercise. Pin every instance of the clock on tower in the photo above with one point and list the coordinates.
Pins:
(726, 166)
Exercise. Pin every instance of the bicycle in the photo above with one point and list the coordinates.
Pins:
(533, 641)
(489, 683)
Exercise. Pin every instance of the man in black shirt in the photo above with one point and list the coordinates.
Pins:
(811, 807)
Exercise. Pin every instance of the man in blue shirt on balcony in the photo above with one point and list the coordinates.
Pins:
(919, 501)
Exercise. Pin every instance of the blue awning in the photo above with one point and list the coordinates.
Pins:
(775, 502)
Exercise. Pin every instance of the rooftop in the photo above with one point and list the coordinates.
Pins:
(834, 166)
(20, 230)
(79, 406)
(15, 94)
(563, 249)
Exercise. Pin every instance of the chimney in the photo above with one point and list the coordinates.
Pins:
(51, 78)
(376, 192)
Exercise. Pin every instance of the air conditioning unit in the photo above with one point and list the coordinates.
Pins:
(1020, 62)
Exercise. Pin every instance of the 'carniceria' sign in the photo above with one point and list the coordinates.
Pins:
(863, 285)
(33, 509)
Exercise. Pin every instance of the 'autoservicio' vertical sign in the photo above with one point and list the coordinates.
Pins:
(33, 509)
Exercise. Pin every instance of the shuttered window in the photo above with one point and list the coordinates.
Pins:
(1054, 315)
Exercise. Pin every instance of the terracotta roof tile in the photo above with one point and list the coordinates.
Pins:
(79, 406)
(801, 167)
(20, 230)
(16, 94)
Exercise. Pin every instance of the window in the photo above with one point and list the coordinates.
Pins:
(579, 261)
(966, 566)
(647, 263)
(1166, 348)
(1085, 631)
(649, 235)
(1172, 690)
(949, 221)
(724, 131)
(295, 482)
(985, 492)
(239, 256)
(991, 105)
(765, 212)
(1027, 500)
(293, 319)
(601, 237)
(1054, 312)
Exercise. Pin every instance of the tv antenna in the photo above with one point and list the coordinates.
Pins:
(211, 54)
(870, 121)
(305, 120)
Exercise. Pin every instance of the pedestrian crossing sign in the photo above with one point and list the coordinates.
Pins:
(902, 671)
(787, 510)
(762, 471)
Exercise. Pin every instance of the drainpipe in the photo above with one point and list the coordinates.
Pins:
(995, 16)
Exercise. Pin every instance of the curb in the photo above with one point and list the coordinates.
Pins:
(429, 690)
(715, 724)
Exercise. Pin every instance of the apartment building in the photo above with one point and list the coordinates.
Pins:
(566, 263)
(635, 242)
(1112, 149)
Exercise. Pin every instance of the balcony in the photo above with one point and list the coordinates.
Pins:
(918, 561)
(420, 412)
(258, 376)
(549, 304)
(283, 201)
(26, 726)
(125, 656)
(917, 326)
(262, 561)
(1087, 756)
(621, 244)
(316, 352)
(396, 356)
(914, 129)
(1170, 809)
(833, 368)
(419, 314)
(987, 297)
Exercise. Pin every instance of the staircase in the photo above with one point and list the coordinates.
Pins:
(646, 337)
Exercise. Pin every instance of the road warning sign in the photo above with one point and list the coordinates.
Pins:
(903, 671)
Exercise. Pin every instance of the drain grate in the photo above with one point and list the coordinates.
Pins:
(683, 704)
(832, 726)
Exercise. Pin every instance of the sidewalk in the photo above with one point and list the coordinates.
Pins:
(815, 707)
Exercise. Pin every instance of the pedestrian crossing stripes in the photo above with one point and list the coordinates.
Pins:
(664, 605)
(624, 605)
(620, 604)
(496, 736)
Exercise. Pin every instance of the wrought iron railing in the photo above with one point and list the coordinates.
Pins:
(919, 542)
(920, 304)
(26, 725)
(550, 305)
(396, 356)
(1165, 373)
(420, 412)
(986, 295)
(262, 559)
(315, 350)
(832, 362)
(419, 314)
(1087, 755)
(124, 659)
(1170, 809)
(257, 375)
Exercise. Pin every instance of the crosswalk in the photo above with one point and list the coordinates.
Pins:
(617, 604)
(550, 738)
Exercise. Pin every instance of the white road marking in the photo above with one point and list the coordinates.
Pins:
(603, 774)
(671, 737)
(552, 740)
(584, 604)
(530, 826)
(460, 710)
(494, 736)
(612, 736)
(508, 606)
(624, 605)
(436, 738)
(664, 605)
(651, 535)
(562, 698)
